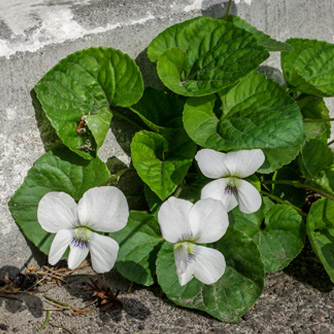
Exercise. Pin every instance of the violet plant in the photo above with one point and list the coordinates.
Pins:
(219, 117)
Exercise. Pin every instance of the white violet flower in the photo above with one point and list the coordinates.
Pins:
(229, 169)
(185, 224)
(103, 209)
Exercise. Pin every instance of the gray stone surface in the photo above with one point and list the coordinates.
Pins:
(34, 36)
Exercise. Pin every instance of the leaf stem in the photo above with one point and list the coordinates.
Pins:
(330, 143)
(300, 185)
(47, 318)
(282, 201)
(318, 120)
(228, 9)
(61, 327)
(59, 303)
(115, 177)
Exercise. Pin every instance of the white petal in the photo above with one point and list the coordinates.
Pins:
(77, 254)
(217, 190)
(208, 220)
(244, 163)
(56, 211)
(211, 163)
(103, 209)
(249, 198)
(181, 258)
(185, 267)
(59, 245)
(173, 219)
(188, 275)
(103, 252)
(209, 265)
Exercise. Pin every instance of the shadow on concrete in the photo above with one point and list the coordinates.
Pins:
(218, 10)
(79, 286)
(18, 302)
(124, 130)
(149, 71)
(306, 268)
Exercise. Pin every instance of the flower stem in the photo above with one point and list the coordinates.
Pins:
(300, 185)
(179, 189)
(130, 287)
(330, 142)
(282, 201)
(228, 9)
(318, 120)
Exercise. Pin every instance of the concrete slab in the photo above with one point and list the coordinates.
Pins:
(36, 34)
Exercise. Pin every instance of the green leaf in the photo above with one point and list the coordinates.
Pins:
(280, 237)
(153, 201)
(257, 113)
(98, 125)
(313, 107)
(59, 170)
(315, 157)
(139, 242)
(200, 122)
(324, 180)
(320, 230)
(234, 293)
(201, 56)
(159, 110)
(262, 39)
(82, 87)
(278, 157)
(309, 67)
(162, 164)
(315, 130)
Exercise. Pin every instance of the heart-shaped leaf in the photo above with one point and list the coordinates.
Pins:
(160, 111)
(59, 170)
(77, 93)
(278, 157)
(201, 56)
(313, 107)
(324, 181)
(234, 293)
(315, 157)
(257, 113)
(139, 242)
(280, 237)
(262, 39)
(162, 164)
(310, 67)
(320, 230)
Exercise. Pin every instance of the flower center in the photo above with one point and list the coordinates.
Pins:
(232, 186)
(81, 237)
(190, 248)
